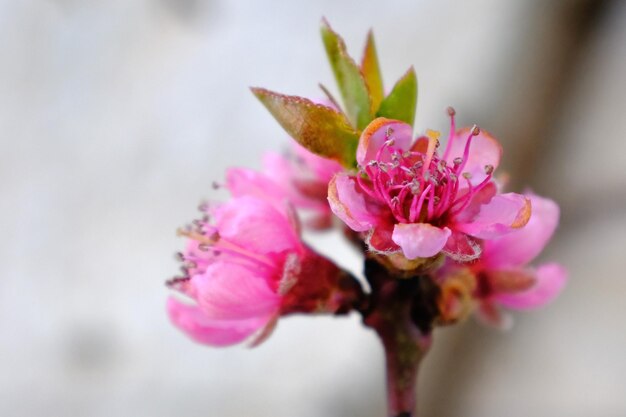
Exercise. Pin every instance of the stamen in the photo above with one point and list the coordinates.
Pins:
(177, 283)
(416, 205)
(451, 134)
(474, 131)
(431, 203)
(464, 201)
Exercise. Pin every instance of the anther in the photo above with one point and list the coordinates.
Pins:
(204, 247)
(179, 256)
(216, 185)
(204, 206)
(390, 142)
(176, 282)
(467, 175)
(488, 169)
(475, 130)
(451, 111)
(457, 160)
(389, 131)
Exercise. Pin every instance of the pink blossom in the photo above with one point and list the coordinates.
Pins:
(247, 267)
(298, 176)
(501, 277)
(504, 279)
(407, 198)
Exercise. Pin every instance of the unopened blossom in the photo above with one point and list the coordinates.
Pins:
(502, 277)
(298, 176)
(244, 267)
(408, 198)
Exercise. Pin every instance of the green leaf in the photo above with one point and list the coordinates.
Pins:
(320, 129)
(352, 86)
(401, 102)
(371, 73)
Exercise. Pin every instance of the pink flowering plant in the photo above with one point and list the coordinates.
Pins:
(439, 237)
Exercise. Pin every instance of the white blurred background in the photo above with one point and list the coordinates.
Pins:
(116, 116)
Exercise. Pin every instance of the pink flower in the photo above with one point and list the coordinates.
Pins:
(246, 268)
(501, 277)
(299, 176)
(409, 199)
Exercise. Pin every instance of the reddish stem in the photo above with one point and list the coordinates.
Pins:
(401, 313)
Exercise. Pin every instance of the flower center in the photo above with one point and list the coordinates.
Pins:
(417, 184)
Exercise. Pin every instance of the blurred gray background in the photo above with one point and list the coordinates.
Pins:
(116, 116)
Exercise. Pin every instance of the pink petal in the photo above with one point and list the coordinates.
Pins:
(192, 321)
(323, 168)
(484, 150)
(503, 214)
(231, 291)
(247, 182)
(243, 182)
(376, 134)
(350, 205)
(551, 279)
(478, 199)
(420, 240)
(256, 226)
(295, 183)
(523, 245)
